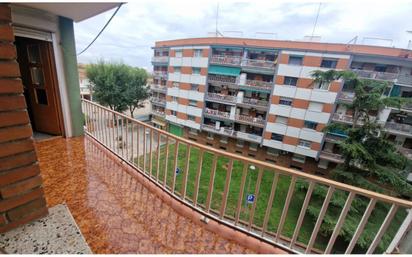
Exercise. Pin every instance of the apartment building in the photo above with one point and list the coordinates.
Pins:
(257, 97)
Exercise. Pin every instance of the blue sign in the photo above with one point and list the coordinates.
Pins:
(250, 198)
(177, 170)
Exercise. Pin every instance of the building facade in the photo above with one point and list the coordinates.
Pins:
(257, 97)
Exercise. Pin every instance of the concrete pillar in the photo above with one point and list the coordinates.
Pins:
(71, 74)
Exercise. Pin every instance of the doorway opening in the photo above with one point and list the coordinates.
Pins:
(38, 74)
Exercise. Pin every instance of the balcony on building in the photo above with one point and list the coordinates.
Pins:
(159, 85)
(251, 117)
(330, 152)
(221, 94)
(224, 128)
(214, 163)
(399, 123)
(260, 61)
(219, 111)
(398, 90)
(251, 99)
(158, 100)
(223, 76)
(402, 143)
(375, 71)
(158, 111)
(161, 56)
(160, 72)
(256, 82)
(249, 133)
(226, 56)
(335, 136)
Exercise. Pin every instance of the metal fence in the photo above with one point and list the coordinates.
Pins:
(271, 202)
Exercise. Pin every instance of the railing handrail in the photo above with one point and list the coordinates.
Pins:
(270, 166)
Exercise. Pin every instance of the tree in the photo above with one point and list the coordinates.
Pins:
(117, 85)
(109, 82)
(137, 90)
(371, 161)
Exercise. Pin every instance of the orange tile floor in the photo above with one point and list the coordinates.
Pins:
(115, 213)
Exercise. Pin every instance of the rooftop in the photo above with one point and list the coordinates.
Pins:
(292, 45)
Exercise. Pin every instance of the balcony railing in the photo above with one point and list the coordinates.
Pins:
(405, 79)
(216, 113)
(158, 101)
(261, 64)
(346, 96)
(376, 75)
(398, 127)
(249, 137)
(158, 113)
(222, 79)
(158, 88)
(160, 59)
(161, 74)
(225, 59)
(222, 130)
(258, 84)
(334, 157)
(255, 121)
(255, 102)
(221, 98)
(342, 117)
(166, 160)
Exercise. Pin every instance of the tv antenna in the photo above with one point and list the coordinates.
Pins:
(217, 32)
(316, 20)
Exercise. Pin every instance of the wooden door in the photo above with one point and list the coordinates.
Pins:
(40, 88)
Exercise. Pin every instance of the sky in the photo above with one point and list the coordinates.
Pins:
(139, 24)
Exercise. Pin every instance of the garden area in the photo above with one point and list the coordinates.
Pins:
(262, 198)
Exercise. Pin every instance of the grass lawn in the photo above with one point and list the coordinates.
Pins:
(234, 189)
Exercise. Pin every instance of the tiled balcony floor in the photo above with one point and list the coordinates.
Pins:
(115, 213)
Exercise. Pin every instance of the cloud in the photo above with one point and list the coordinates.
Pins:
(139, 24)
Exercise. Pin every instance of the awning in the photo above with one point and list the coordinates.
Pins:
(222, 70)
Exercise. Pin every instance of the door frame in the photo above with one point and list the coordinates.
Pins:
(50, 37)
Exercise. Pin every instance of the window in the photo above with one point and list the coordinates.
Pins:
(179, 53)
(310, 124)
(253, 146)
(175, 84)
(295, 60)
(285, 101)
(176, 69)
(304, 143)
(196, 71)
(240, 143)
(329, 63)
(194, 87)
(277, 137)
(223, 139)
(291, 81)
(282, 119)
(191, 117)
(192, 102)
(272, 151)
(174, 113)
(315, 106)
(298, 158)
(198, 53)
(174, 99)
(193, 131)
(322, 85)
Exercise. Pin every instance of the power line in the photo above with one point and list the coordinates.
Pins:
(101, 31)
